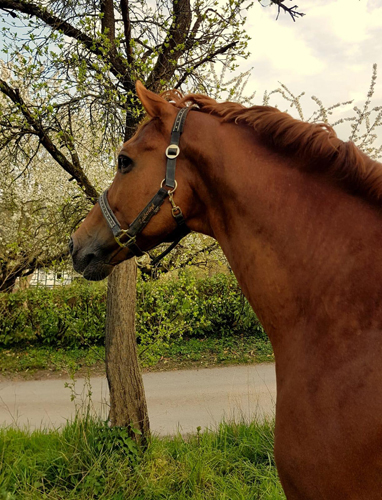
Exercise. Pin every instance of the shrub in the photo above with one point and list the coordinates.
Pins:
(167, 309)
(66, 316)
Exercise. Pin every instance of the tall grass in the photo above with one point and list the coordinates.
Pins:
(89, 460)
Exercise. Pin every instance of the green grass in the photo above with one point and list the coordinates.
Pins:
(185, 353)
(88, 460)
(30, 359)
(211, 351)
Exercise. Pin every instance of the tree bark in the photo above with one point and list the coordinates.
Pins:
(7, 285)
(127, 397)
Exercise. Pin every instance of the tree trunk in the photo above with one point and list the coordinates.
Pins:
(7, 284)
(127, 397)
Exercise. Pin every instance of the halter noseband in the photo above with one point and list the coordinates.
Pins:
(152, 208)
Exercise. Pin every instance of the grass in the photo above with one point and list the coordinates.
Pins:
(186, 353)
(31, 359)
(88, 460)
(213, 351)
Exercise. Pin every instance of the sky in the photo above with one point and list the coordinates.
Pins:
(328, 53)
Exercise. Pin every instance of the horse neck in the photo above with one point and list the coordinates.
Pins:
(303, 250)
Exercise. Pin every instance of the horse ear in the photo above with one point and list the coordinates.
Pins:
(153, 103)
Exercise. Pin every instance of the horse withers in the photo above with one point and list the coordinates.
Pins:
(297, 213)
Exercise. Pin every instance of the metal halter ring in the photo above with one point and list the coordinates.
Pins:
(172, 151)
(172, 190)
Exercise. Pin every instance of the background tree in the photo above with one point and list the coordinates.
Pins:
(94, 52)
(39, 207)
(34, 222)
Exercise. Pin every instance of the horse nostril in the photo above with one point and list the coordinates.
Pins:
(71, 246)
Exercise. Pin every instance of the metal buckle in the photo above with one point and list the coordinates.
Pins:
(170, 155)
(124, 232)
(176, 211)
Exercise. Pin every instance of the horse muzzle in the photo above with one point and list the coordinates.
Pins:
(90, 261)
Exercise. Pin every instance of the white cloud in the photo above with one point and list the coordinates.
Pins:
(348, 20)
(328, 53)
(279, 45)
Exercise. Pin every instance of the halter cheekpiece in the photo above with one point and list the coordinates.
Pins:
(126, 238)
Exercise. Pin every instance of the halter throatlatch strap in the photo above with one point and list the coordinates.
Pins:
(143, 218)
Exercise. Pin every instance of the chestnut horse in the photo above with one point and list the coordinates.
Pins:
(297, 214)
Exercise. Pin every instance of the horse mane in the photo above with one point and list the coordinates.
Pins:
(317, 143)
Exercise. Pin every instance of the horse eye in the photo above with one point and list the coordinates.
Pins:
(125, 164)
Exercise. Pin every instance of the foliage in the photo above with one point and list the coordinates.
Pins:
(87, 460)
(190, 307)
(68, 315)
(39, 208)
(36, 219)
(170, 308)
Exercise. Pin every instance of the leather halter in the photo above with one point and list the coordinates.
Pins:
(129, 235)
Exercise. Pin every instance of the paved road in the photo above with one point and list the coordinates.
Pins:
(177, 400)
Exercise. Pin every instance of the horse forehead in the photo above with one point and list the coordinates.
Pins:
(148, 137)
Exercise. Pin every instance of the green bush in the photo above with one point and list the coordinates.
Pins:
(170, 308)
(65, 316)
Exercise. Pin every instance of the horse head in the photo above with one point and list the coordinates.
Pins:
(145, 204)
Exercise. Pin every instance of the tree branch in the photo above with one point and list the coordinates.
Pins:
(289, 10)
(118, 66)
(208, 58)
(76, 172)
(173, 47)
(127, 28)
(149, 271)
(108, 21)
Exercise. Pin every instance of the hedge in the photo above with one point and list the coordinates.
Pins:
(74, 315)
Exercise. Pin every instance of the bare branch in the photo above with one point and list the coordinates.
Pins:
(289, 10)
(69, 167)
(209, 58)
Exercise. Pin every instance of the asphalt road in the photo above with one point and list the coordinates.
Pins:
(177, 400)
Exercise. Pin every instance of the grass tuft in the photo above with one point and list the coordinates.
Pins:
(89, 460)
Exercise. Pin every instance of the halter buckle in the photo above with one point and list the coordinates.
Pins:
(172, 151)
(124, 232)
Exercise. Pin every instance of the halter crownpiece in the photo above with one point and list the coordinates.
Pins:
(143, 218)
